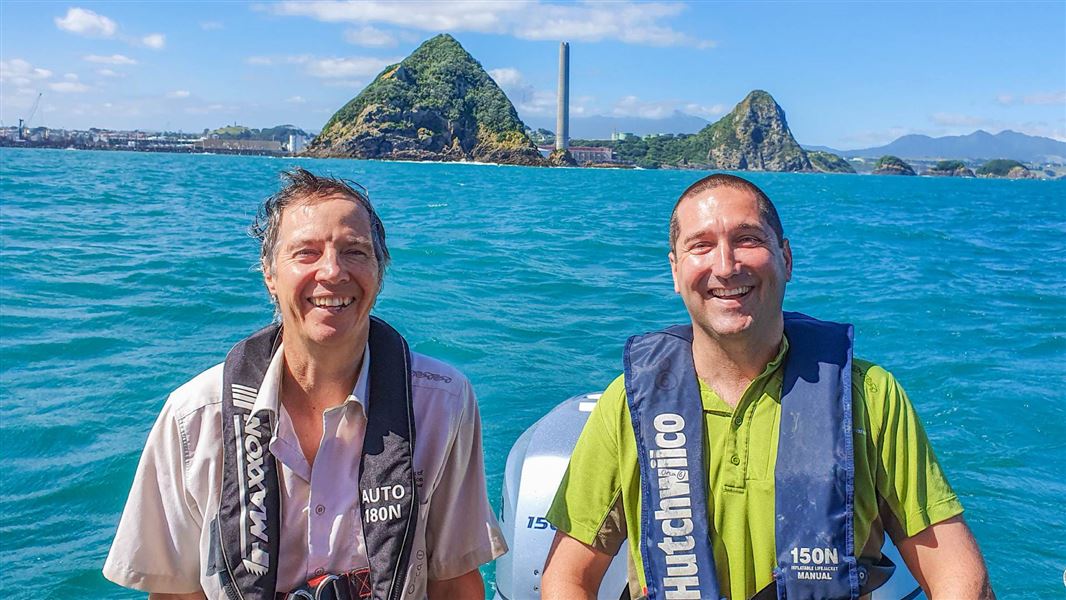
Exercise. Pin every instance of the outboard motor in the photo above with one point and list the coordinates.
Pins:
(535, 466)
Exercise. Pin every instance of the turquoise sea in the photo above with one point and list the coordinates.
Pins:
(125, 274)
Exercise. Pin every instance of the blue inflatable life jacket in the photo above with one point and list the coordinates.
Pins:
(814, 477)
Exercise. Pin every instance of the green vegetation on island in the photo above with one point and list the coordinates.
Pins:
(950, 168)
(437, 104)
(892, 165)
(754, 136)
(239, 132)
(827, 162)
(1004, 167)
(949, 165)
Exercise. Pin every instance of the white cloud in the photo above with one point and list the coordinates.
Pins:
(330, 68)
(68, 87)
(352, 84)
(702, 110)
(114, 59)
(1038, 99)
(210, 108)
(178, 94)
(867, 139)
(370, 37)
(109, 73)
(632, 106)
(342, 68)
(958, 120)
(296, 100)
(85, 22)
(70, 76)
(630, 22)
(1048, 98)
(506, 77)
(156, 41)
(21, 73)
(211, 25)
(532, 102)
(527, 100)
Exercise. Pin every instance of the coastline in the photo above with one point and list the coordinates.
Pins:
(4, 143)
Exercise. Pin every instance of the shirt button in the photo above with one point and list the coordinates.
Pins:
(738, 420)
(735, 460)
(320, 509)
(319, 572)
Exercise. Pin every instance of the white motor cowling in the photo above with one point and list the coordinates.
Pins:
(535, 467)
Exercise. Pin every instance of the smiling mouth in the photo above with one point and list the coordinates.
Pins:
(331, 302)
(731, 293)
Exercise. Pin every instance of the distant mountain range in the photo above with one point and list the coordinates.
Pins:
(977, 145)
(600, 127)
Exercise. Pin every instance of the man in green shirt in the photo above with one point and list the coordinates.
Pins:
(730, 262)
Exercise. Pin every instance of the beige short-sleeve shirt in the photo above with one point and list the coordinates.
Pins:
(163, 539)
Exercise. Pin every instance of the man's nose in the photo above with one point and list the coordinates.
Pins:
(725, 262)
(330, 268)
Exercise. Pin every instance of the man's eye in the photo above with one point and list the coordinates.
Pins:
(701, 247)
(356, 252)
(304, 252)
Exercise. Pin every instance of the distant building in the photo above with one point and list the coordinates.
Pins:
(242, 145)
(621, 136)
(596, 154)
(296, 143)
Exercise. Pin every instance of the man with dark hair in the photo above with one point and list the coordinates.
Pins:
(747, 453)
(323, 459)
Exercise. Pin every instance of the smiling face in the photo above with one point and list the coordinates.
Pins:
(729, 267)
(324, 276)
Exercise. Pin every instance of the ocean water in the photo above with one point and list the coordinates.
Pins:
(125, 274)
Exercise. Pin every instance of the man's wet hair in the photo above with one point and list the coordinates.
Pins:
(767, 210)
(300, 187)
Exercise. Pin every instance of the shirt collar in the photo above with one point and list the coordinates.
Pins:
(269, 396)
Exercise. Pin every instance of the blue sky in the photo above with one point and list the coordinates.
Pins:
(848, 75)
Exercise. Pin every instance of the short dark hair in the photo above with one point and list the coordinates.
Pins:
(767, 210)
(301, 185)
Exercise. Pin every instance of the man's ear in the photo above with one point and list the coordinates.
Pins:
(673, 272)
(268, 279)
(786, 249)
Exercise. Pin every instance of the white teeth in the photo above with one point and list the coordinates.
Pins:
(330, 301)
(720, 293)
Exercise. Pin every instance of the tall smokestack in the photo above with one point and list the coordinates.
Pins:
(562, 122)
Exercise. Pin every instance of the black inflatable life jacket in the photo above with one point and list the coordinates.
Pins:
(245, 534)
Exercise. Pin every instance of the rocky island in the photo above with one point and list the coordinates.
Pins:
(1002, 167)
(754, 136)
(827, 162)
(892, 165)
(438, 104)
(950, 168)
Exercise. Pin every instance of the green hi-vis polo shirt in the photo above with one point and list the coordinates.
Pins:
(899, 486)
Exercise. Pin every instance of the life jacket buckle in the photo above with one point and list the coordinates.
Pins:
(326, 583)
(321, 587)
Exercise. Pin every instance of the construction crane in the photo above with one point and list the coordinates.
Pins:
(23, 125)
